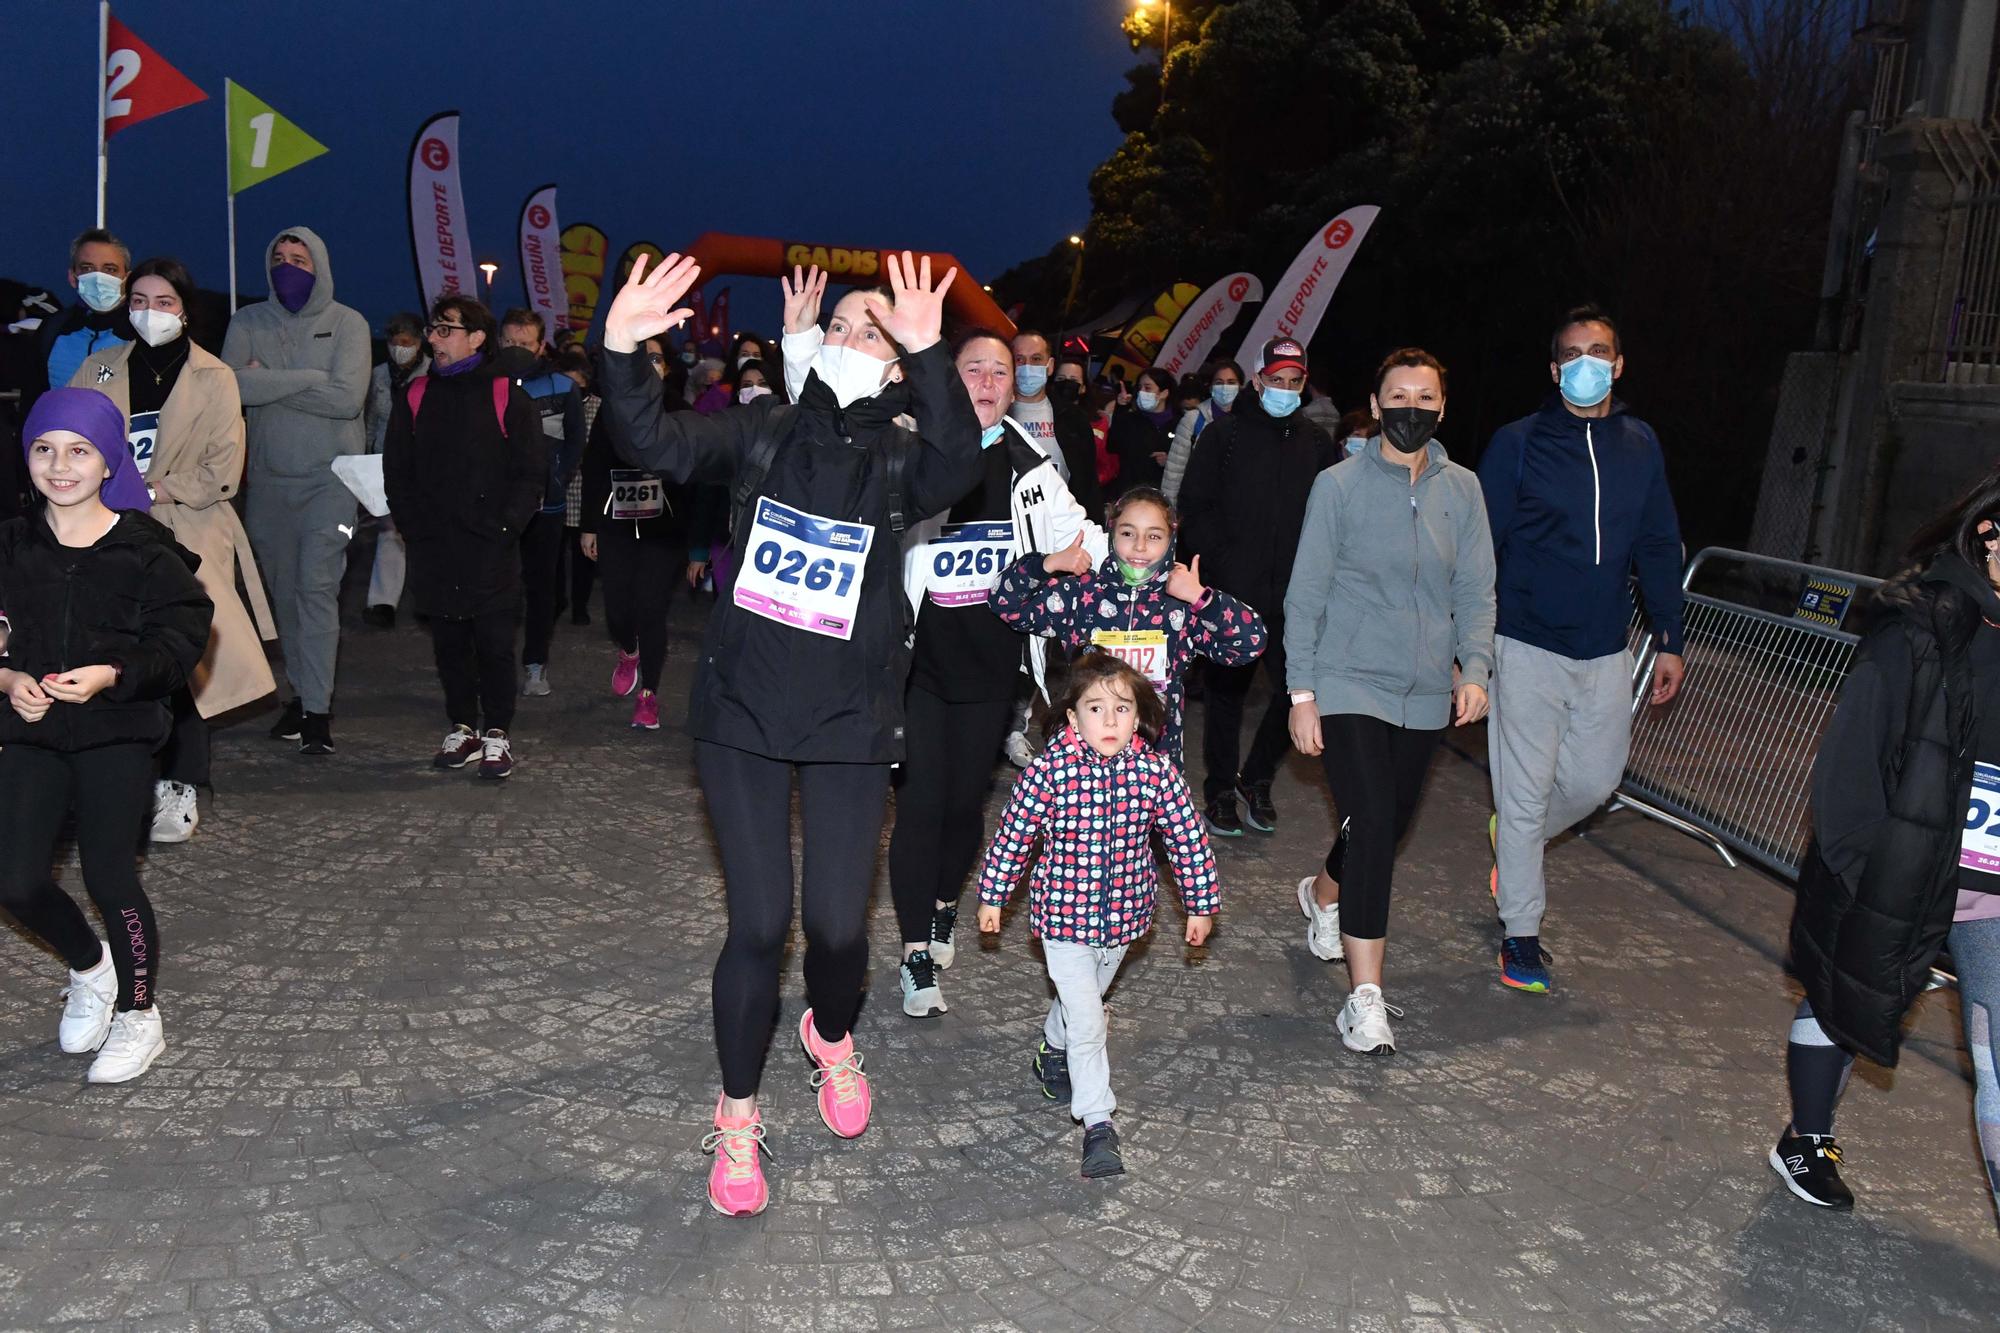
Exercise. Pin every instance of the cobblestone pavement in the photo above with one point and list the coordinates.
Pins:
(439, 1058)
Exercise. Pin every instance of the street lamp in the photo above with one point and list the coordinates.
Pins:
(489, 268)
(1075, 277)
(1166, 37)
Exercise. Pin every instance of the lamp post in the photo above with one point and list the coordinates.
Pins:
(1075, 277)
(1166, 37)
(489, 268)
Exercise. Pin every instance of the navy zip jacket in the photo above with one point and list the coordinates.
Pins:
(1577, 506)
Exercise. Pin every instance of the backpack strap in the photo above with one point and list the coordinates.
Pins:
(757, 464)
(415, 391)
(899, 465)
(502, 386)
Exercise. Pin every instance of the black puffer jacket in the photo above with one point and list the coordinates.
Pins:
(462, 491)
(1243, 501)
(130, 600)
(1890, 790)
(771, 688)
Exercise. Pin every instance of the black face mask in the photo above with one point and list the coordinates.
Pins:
(517, 362)
(1410, 428)
(1064, 392)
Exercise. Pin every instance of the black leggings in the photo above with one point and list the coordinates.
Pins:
(1376, 771)
(750, 805)
(640, 576)
(111, 791)
(185, 756)
(941, 802)
(475, 661)
(541, 576)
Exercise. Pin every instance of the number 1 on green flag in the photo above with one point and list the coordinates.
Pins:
(262, 143)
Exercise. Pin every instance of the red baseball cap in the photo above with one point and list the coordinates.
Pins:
(1282, 352)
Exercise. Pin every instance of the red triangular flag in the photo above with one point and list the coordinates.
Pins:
(138, 85)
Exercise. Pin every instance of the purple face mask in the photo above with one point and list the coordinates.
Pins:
(292, 284)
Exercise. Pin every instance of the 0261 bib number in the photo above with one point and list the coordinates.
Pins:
(1144, 650)
(967, 560)
(636, 495)
(803, 570)
(1979, 848)
(144, 434)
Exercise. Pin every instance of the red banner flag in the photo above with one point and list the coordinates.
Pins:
(138, 84)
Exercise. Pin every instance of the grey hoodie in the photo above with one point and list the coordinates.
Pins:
(304, 397)
(1391, 584)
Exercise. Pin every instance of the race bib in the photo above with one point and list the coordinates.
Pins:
(802, 570)
(636, 495)
(143, 434)
(966, 561)
(1979, 849)
(1144, 650)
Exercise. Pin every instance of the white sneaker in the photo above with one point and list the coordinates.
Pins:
(1323, 935)
(538, 682)
(1019, 753)
(918, 976)
(88, 1004)
(1364, 1021)
(135, 1042)
(176, 812)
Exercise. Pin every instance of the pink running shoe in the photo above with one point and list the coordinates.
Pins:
(736, 1185)
(843, 1088)
(625, 676)
(646, 711)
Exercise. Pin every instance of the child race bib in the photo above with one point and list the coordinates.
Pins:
(1979, 848)
(802, 570)
(966, 561)
(143, 434)
(1144, 650)
(636, 495)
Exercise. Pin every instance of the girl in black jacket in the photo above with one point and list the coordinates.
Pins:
(803, 663)
(1142, 433)
(1906, 846)
(106, 620)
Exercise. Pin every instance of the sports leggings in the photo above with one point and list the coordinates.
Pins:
(1376, 771)
(941, 802)
(640, 576)
(750, 804)
(111, 791)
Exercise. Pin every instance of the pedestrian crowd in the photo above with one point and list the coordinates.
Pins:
(926, 552)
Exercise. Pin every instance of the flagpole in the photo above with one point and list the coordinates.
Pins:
(103, 54)
(228, 185)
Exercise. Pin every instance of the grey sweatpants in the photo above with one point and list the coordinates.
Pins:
(1076, 1023)
(1556, 744)
(299, 528)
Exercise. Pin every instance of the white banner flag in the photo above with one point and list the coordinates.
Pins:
(1203, 323)
(1299, 299)
(541, 260)
(445, 266)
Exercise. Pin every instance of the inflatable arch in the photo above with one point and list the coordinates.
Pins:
(721, 253)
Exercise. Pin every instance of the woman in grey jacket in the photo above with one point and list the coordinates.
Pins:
(1388, 638)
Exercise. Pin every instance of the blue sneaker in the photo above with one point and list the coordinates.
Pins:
(1524, 963)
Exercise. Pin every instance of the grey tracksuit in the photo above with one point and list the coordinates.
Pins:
(304, 402)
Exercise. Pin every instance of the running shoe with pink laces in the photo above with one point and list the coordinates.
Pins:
(843, 1088)
(646, 711)
(736, 1185)
(625, 676)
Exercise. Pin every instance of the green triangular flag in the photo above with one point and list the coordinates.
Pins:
(262, 143)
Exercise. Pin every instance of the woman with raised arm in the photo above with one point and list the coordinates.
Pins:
(804, 658)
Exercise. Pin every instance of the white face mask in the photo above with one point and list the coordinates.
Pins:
(1147, 400)
(748, 357)
(157, 327)
(850, 373)
(402, 356)
(749, 393)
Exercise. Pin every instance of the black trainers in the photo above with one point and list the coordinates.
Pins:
(1100, 1152)
(1809, 1164)
(1258, 812)
(315, 733)
(1220, 816)
(1052, 1068)
(286, 728)
(944, 921)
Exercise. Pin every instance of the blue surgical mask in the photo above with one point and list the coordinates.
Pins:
(1030, 380)
(1279, 402)
(1356, 443)
(101, 291)
(1148, 401)
(991, 435)
(1586, 381)
(1223, 394)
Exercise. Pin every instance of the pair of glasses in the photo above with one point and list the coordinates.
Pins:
(444, 328)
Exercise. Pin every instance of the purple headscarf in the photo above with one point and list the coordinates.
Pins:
(95, 417)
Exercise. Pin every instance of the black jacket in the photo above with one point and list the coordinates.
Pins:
(1077, 439)
(131, 601)
(770, 688)
(1890, 790)
(1133, 439)
(1243, 502)
(694, 518)
(462, 492)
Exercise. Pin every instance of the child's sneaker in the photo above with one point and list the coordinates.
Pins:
(922, 996)
(1323, 924)
(646, 711)
(88, 1006)
(736, 1185)
(1809, 1164)
(1100, 1152)
(137, 1039)
(1052, 1068)
(1364, 1021)
(1493, 844)
(625, 676)
(944, 923)
(1524, 964)
(843, 1089)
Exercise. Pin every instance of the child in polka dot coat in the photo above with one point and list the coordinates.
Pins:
(1093, 798)
(1138, 605)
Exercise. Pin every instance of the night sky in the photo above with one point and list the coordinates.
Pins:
(935, 123)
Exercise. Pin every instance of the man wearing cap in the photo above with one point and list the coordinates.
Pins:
(1243, 503)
